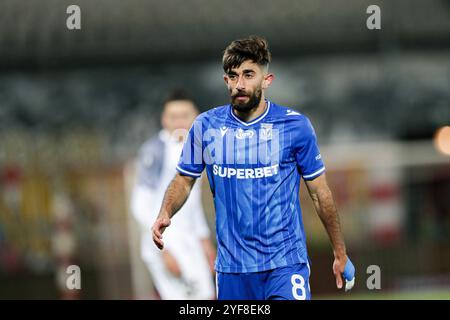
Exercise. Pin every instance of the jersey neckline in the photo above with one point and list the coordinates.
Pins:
(259, 118)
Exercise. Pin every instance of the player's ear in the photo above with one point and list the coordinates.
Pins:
(268, 78)
(225, 78)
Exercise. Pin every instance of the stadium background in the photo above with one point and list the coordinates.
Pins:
(76, 105)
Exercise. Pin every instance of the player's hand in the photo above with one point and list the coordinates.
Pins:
(171, 264)
(157, 230)
(344, 267)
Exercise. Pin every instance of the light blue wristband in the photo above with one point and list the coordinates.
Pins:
(349, 270)
(349, 275)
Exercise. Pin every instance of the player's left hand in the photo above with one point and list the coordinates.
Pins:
(344, 267)
(158, 228)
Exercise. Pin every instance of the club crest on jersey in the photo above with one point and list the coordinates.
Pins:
(223, 130)
(242, 134)
(265, 132)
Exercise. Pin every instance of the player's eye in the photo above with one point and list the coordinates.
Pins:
(232, 77)
(248, 75)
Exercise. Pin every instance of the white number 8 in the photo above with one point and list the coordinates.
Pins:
(298, 283)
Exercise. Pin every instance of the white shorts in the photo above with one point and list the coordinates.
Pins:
(196, 281)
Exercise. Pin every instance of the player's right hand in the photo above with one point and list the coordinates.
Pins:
(157, 230)
(343, 269)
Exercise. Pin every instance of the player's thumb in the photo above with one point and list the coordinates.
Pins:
(163, 224)
(338, 280)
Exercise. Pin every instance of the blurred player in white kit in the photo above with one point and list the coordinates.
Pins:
(184, 269)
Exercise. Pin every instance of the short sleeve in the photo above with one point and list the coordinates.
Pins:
(191, 161)
(307, 153)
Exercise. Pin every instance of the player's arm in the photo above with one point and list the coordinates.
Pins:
(176, 195)
(210, 252)
(201, 228)
(325, 207)
(171, 263)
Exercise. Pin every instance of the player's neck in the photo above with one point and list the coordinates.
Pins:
(253, 113)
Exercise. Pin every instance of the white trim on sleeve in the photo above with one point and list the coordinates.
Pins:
(315, 173)
(198, 175)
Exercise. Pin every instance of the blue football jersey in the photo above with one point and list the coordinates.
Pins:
(254, 170)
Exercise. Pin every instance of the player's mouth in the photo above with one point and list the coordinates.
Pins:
(241, 98)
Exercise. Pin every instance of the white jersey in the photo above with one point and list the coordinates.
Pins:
(156, 169)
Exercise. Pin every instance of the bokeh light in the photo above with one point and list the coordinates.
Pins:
(442, 140)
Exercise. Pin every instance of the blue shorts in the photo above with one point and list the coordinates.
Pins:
(285, 283)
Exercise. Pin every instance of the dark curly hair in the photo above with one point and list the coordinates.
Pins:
(252, 48)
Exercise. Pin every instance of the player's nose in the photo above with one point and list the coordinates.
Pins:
(240, 85)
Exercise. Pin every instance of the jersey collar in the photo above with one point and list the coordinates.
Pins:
(262, 116)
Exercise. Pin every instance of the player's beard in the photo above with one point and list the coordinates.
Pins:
(253, 101)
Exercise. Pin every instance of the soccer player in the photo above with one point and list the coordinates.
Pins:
(183, 270)
(255, 152)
